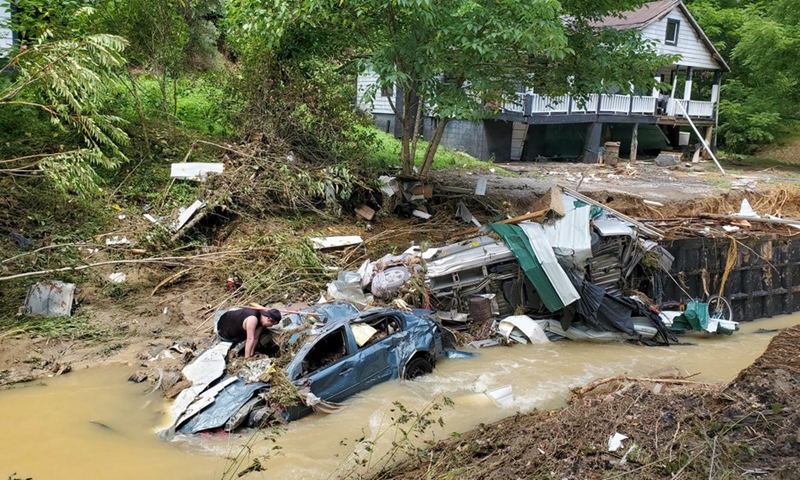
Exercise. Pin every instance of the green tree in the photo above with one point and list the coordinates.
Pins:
(761, 39)
(69, 81)
(454, 58)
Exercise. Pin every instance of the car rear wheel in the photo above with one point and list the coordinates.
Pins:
(418, 366)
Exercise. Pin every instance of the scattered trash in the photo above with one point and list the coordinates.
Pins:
(117, 277)
(321, 243)
(195, 170)
(502, 397)
(321, 406)
(463, 213)
(121, 217)
(186, 214)
(480, 187)
(615, 441)
(421, 214)
(730, 228)
(522, 329)
(115, 240)
(365, 212)
(653, 203)
(21, 240)
(52, 298)
(257, 370)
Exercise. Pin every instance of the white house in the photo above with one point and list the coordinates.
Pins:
(536, 125)
(6, 37)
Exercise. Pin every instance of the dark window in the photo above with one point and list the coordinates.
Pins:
(673, 26)
(327, 351)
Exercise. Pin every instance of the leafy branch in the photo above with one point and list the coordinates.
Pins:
(69, 80)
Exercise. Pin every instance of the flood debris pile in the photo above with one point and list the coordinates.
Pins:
(566, 270)
(655, 428)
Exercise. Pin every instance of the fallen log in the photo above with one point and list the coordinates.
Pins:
(621, 378)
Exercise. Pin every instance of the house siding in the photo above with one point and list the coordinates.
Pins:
(690, 47)
(380, 103)
(6, 38)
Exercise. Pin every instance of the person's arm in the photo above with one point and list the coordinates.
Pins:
(252, 328)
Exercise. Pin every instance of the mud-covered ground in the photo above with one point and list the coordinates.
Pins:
(676, 429)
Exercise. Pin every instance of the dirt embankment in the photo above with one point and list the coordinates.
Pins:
(747, 429)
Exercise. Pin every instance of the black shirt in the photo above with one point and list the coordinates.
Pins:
(231, 324)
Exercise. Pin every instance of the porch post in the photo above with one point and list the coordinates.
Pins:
(592, 145)
(674, 75)
(687, 91)
(715, 87)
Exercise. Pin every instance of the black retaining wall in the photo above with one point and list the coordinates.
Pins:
(765, 280)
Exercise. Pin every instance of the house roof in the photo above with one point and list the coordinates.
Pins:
(654, 11)
(641, 17)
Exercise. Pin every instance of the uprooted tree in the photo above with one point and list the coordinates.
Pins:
(456, 58)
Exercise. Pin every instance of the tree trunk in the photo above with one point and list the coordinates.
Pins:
(430, 152)
(140, 114)
(408, 160)
(417, 127)
(634, 142)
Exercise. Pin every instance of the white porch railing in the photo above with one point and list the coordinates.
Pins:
(542, 104)
(643, 105)
(516, 106)
(590, 105)
(695, 108)
(605, 104)
(615, 104)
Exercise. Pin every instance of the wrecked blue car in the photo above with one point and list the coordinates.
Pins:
(343, 356)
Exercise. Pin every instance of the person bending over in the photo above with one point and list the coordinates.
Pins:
(246, 324)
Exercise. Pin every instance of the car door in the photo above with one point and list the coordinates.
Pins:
(328, 364)
(378, 360)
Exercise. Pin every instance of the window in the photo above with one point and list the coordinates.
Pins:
(673, 26)
(327, 351)
(377, 329)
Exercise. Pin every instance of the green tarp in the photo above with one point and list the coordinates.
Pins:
(518, 243)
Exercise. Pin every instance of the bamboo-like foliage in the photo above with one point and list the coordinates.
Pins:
(70, 80)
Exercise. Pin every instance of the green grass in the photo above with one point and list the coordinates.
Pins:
(755, 161)
(386, 155)
(76, 327)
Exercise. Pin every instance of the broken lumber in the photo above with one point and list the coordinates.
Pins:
(782, 221)
(521, 218)
(652, 231)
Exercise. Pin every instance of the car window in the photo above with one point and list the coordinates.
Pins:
(327, 351)
(384, 325)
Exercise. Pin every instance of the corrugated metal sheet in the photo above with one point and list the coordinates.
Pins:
(480, 251)
(571, 235)
(547, 259)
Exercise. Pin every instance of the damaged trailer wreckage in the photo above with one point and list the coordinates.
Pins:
(569, 271)
(566, 271)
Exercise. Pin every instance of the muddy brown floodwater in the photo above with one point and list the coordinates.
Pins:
(94, 424)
